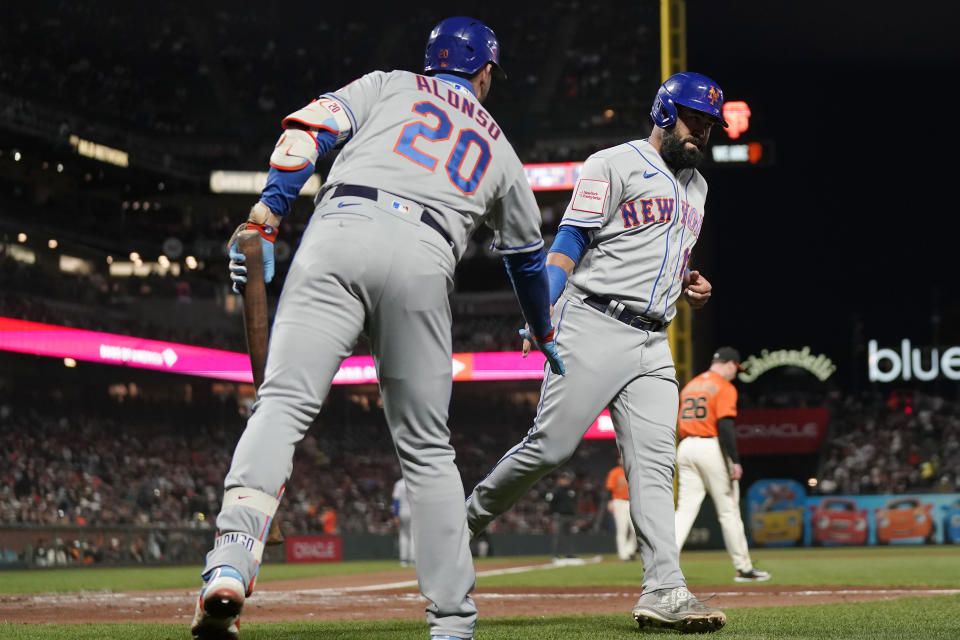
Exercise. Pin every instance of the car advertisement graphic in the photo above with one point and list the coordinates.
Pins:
(775, 512)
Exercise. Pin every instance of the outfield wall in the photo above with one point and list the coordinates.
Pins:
(47, 547)
(779, 513)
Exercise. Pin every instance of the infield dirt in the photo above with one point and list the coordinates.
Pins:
(386, 595)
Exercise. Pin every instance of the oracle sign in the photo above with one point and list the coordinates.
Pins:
(910, 363)
(314, 549)
(764, 431)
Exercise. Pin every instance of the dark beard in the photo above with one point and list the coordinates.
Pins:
(676, 154)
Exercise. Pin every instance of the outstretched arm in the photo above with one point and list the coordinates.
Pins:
(529, 277)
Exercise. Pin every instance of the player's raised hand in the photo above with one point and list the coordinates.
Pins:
(696, 289)
(547, 348)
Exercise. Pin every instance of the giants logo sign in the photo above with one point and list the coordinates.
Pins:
(314, 549)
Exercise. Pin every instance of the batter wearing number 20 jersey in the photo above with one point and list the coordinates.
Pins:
(422, 164)
(703, 401)
(430, 140)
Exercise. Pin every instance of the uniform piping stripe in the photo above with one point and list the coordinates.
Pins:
(532, 245)
(526, 438)
(592, 223)
(666, 249)
(536, 418)
(683, 232)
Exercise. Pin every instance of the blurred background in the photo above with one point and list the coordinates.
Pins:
(132, 142)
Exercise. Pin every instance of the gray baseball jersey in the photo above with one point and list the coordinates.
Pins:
(429, 140)
(646, 221)
(371, 262)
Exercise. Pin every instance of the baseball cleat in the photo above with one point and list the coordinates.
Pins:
(677, 609)
(754, 575)
(218, 608)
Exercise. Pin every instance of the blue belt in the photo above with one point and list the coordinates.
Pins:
(369, 193)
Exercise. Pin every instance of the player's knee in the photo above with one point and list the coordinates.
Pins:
(553, 458)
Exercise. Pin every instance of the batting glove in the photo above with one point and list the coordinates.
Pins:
(549, 349)
(238, 270)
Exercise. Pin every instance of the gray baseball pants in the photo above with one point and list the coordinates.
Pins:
(630, 372)
(366, 267)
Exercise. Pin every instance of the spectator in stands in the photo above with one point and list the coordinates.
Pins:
(563, 509)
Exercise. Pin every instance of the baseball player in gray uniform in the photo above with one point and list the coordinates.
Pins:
(403, 521)
(620, 261)
(422, 165)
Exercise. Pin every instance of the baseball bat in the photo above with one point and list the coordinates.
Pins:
(257, 328)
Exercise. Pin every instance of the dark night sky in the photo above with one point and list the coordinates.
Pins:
(856, 218)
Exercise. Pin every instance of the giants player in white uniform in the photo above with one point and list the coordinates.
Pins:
(624, 243)
(422, 165)
(708, 461)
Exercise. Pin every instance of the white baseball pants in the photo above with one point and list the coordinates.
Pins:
(703, 469)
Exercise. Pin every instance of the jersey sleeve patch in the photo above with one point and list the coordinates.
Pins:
(590, 196)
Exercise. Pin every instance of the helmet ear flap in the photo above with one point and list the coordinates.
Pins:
(664, 111)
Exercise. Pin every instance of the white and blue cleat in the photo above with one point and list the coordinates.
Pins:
(218, 608)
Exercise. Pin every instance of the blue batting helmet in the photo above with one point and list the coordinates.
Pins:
(692, 90)
(462, 44)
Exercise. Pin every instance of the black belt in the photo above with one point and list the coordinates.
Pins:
(359, 191)
(637, 321)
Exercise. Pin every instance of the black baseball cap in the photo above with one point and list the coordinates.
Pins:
(728, 354)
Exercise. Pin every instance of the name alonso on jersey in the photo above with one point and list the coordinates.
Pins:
(460, 103)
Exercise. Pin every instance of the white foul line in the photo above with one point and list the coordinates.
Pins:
(563, 562)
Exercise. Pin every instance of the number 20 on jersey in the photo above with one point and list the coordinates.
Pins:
(435, 128)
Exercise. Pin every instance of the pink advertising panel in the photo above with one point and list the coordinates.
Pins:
(64, 342)
(601, 429)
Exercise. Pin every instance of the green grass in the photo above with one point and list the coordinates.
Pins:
(936, 566)
(927, 618)
(150, 578)
(126, 579)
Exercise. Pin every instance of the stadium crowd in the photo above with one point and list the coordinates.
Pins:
(212, 83)
(131, 463)
(900, 443)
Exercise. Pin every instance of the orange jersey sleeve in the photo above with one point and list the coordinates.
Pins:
(617, 484)
(725, 402)
(704, 400)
